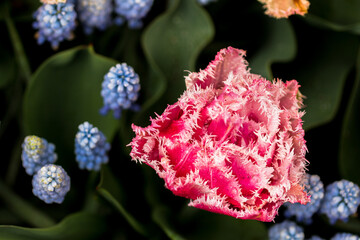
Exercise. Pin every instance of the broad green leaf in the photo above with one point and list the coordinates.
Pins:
(337, 15)
(339, 11)
(324, 23)
(172, 43)
(322, 66)
(63, 93)
(349, 161)
(201, 224)
(76, 226)
(22, 209)
(279, 46)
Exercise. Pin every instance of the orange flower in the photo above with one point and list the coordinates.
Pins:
(285, 8)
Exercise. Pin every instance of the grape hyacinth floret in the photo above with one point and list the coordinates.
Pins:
(95, 14)
(345, 236)
(315, 188)
(90, 147)
(341, 200)
(120, 89)
(55, 23)
(51, 183)
(286, 230)
(36, 152)
(132, 11)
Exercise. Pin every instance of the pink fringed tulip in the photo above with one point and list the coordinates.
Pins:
(233, 143)
(285, 8)
(52, 1)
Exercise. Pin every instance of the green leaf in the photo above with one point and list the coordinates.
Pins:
(337, 15)
(279, 46)
(63, 93)
(76, 226)
(349, 143)
(110, 190)
(109, 182)
(206, 225)
(138, 227)
(324, 23)
(23, 209)
(162, 217)
(324, 62)
(19, 51)
(172, 43)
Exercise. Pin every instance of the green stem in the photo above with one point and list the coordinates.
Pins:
(353, 225)
(18, 48)
(131, 220)
(23, 209)
(123, 42)
(160, 218)
(90, 205)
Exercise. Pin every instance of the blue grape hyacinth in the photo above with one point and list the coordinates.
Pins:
(286, 230)
(345, 236)
(94, 14)
(55, 23)
(90, 147)
(341, 200)
(132, 11)
(315, 188)
(120, 90)
(36, 152)
(51, 183)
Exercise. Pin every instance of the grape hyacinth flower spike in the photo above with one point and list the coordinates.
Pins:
(55, 23)
(94, 14)
(315, 188)
(285, 231)
(36, 152)
(132, 11)
(341, 200)
(345, 236)
(233, 143)
(120, 90)
(51, 183)
(90, 147)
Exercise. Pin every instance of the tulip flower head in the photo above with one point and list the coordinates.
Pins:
(233, 143)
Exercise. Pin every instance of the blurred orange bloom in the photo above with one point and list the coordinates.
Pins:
(285, 8)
